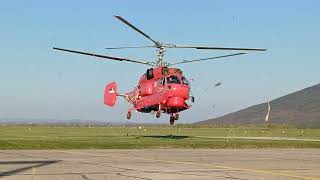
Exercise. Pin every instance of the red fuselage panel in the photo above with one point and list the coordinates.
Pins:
(160, 91)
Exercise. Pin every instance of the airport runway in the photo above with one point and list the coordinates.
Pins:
(165, 164)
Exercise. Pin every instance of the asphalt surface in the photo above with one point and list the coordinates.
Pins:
(165, 164)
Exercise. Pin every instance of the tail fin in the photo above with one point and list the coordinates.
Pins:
(110, 94)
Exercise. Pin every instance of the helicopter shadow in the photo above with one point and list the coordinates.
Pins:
(27, 165)
(170, 136)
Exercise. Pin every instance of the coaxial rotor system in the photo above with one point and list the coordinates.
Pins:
(160, 47)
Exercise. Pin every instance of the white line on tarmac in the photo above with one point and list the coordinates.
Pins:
(260, 138)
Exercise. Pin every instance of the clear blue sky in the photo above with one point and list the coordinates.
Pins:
(37, 82)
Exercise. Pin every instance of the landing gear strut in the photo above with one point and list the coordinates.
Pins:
(129, 115)
(172, 119)
(158, 114)
(176, 116)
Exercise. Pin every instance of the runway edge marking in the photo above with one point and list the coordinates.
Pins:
(198, 164)
(261, 138)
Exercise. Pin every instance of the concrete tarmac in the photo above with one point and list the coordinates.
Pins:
(163, 164)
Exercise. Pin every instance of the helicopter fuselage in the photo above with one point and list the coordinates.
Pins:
(160, 89)
(167, 89)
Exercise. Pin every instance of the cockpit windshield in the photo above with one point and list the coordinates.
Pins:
(185, 81)
(173, 80)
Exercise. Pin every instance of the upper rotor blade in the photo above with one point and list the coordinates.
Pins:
(217, 48)
(138, 30)
(129, 47)
(103, 56)
(206, 59)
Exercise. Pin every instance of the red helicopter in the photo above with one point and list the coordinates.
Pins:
(162, 89)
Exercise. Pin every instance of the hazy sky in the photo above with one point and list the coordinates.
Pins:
(37, 82)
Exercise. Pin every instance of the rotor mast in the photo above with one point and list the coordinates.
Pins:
(160, 54)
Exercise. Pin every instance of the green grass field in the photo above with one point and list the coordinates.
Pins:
(83, 137)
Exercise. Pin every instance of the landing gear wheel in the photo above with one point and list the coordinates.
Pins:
(176, 116)
(171, 120)
(158, 114)
(128, 115)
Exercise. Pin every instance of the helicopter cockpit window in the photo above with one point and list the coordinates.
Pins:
(184, 81)
(173, 80)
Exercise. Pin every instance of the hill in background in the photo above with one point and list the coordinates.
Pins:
(300, 108)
